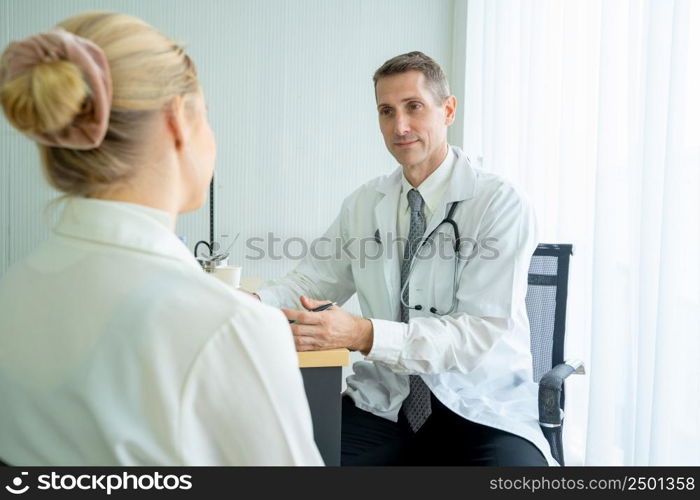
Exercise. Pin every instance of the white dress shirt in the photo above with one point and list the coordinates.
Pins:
(117, 349)
(432, 190)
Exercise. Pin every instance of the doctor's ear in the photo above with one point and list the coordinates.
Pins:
(175, 118)
(450, 106)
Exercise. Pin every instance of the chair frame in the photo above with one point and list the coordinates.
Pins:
(551, 385)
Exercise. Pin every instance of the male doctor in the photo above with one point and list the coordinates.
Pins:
(447, 377)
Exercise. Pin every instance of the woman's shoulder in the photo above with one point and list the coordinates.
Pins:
(194, 305)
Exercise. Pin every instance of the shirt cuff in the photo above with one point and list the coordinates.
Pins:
(388, 342)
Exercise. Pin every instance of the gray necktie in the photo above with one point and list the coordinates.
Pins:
(416, 406)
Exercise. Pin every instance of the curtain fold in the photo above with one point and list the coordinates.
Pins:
(593, 108)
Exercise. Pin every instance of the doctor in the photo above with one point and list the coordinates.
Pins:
(447, 377)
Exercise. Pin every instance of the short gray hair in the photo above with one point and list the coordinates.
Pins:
(417, 61)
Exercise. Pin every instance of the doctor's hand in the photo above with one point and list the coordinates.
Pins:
(333, 328)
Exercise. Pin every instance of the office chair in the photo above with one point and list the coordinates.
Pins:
(548, 278)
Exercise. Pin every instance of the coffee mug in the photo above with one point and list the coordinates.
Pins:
(231, 275)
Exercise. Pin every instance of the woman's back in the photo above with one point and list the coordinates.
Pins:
(115, 348)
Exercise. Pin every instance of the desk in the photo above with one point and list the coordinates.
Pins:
(322, 374)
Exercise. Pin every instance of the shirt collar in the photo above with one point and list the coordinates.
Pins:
(122, 224)
(433, 188)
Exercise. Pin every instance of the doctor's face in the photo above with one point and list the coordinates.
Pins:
(413, 123)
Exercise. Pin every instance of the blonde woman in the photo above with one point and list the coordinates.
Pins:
(115, 347)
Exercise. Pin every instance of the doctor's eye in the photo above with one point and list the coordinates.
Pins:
(386, 112)
(415, 106)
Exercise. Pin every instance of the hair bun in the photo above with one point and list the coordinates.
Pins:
(56, 88)
(46, 99)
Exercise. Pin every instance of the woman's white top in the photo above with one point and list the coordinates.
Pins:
(117, 349)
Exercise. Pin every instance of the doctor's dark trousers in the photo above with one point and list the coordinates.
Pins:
(445, 439)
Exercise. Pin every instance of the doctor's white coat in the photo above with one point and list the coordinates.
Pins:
(476, 360)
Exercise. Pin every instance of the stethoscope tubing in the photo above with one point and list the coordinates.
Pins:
(447, 220)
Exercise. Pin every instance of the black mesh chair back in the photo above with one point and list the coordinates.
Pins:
(546, 309)
(546, 305)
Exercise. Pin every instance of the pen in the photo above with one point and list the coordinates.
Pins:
(320, 308)
(324, 307)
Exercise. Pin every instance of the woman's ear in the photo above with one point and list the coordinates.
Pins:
(176, 123)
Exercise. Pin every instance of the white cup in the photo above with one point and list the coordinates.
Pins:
(231, 275)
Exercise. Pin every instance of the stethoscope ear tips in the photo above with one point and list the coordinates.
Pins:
(418, 307)
(433, 310)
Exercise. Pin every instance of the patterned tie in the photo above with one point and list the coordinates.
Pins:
(416, 406)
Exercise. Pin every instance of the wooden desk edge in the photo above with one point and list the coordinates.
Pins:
(318, 359)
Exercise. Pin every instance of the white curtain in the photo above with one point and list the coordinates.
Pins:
(593, 108)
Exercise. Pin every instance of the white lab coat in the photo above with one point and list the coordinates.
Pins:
(475, 360)
(117, 349)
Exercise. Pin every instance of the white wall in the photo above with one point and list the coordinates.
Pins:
(291, 103)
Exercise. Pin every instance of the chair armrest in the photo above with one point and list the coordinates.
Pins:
(551, 385)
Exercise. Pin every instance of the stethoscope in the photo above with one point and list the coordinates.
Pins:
(457, 246)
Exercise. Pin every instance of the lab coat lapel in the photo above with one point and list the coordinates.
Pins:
(461, 187)
(385, 219)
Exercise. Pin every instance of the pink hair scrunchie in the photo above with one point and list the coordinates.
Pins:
(89, 128)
